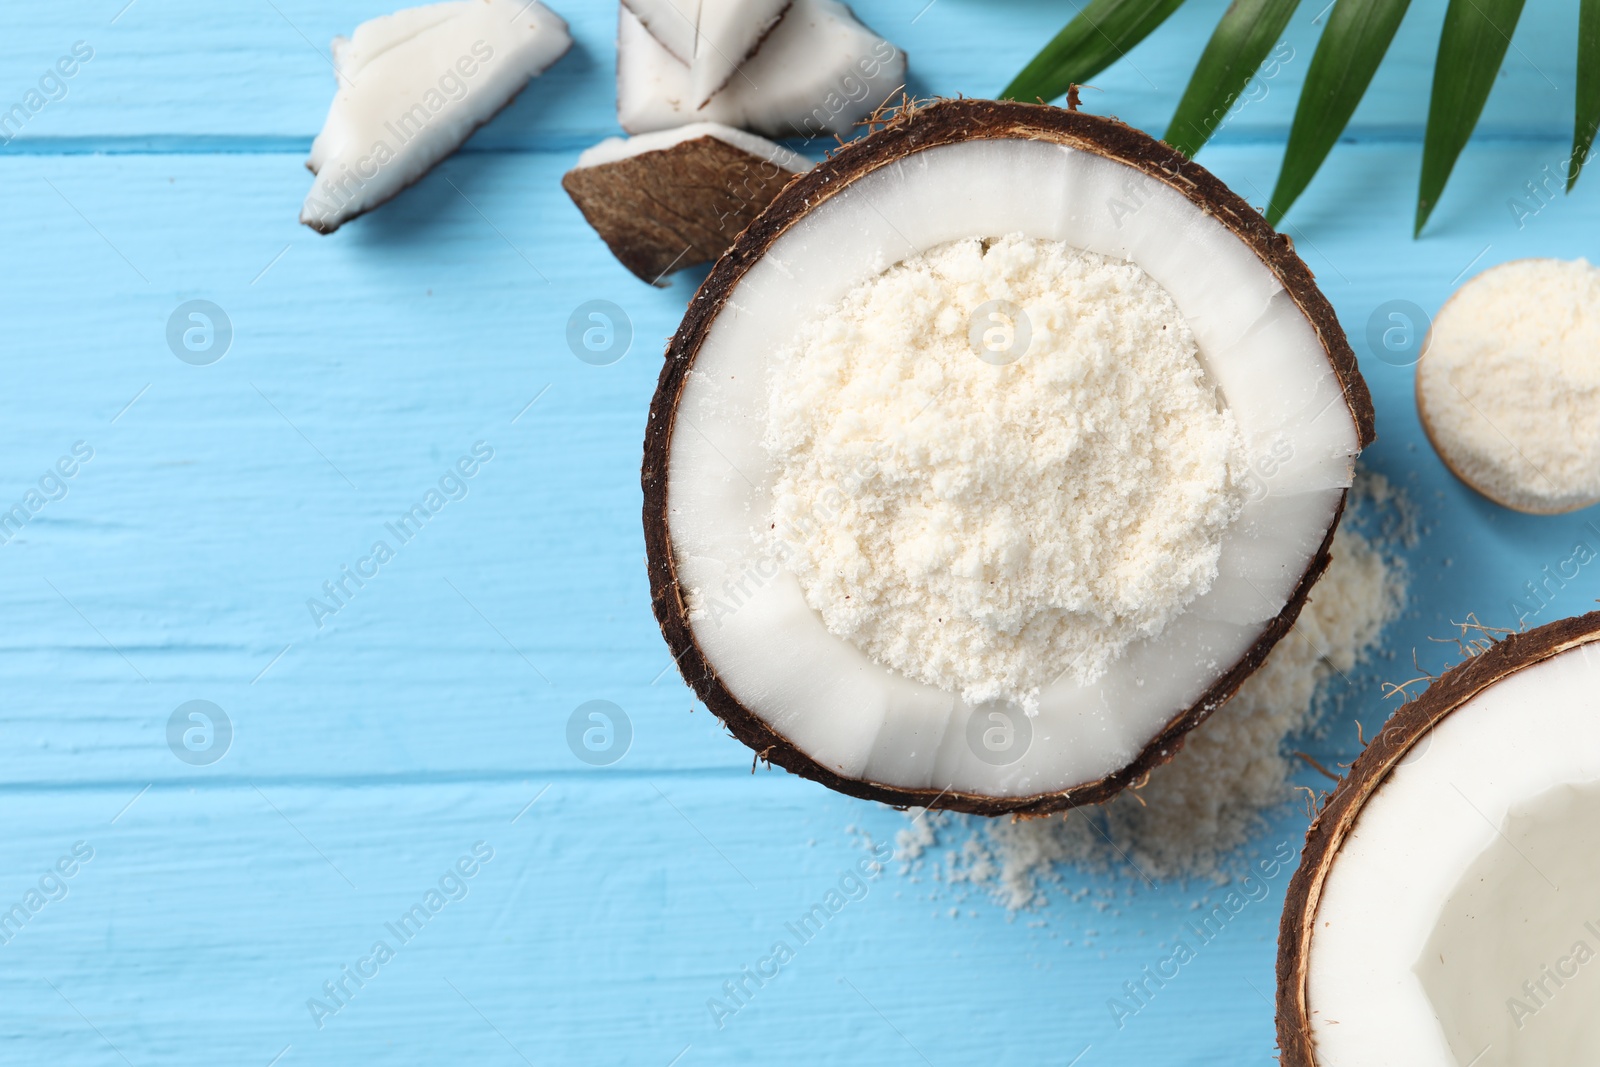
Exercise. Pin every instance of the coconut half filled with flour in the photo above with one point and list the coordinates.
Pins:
(1444, 912)
(996, 453)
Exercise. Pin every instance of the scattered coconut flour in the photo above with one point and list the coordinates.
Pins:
(1509, 386)
(1198, 810)
(997, 460)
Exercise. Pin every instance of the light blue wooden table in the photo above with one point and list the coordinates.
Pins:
(428, 717)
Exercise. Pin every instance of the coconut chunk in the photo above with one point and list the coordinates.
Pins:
(374, 37)
(711, 37)
(1508, 385)
(819, 72)
(668, 200)
(413, 87)
(377, 35)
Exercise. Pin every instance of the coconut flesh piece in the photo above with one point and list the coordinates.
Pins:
(377, 35)
(413, 86)
(712, 38)
(374, 37)
(819, 71)
(813, 702)
(1508, 385)
(1444, 911)
(668, 200)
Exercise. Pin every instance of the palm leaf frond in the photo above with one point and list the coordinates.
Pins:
(1348, 54)
(1247, 30)
(1102, 33)
(1588, 113)
(1471, 48)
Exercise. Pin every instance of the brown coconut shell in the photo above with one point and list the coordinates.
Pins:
(675, 207)
(1333, 824)
(914, 129)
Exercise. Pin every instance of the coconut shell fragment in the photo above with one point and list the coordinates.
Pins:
(663, 209)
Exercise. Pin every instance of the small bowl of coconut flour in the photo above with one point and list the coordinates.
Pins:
(1508, 386)
(1001, 463)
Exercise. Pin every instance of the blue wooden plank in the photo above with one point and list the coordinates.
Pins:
(217, 505)
(606, 919)
(425, 713)
(188, 68)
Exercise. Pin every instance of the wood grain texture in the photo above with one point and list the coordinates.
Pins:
(416, 721)
(185, 68)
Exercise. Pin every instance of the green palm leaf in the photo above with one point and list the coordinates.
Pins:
(1247, 30)
(1471, 48)
(1588, 116)
(1352, 46)
(1100, 35)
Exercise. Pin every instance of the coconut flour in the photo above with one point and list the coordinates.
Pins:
(1000, 462)
(1199, 809)
(1509, 387)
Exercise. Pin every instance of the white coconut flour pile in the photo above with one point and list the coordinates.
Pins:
(978, 497)
(1194, 813)
(1510, 384)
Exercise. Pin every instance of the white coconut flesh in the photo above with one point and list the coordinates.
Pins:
(413, 86)
(818, 71)
(377, 35)
(711, 37)
(851, 714)
(1460, 921)
(613, 149)
(371, 39)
